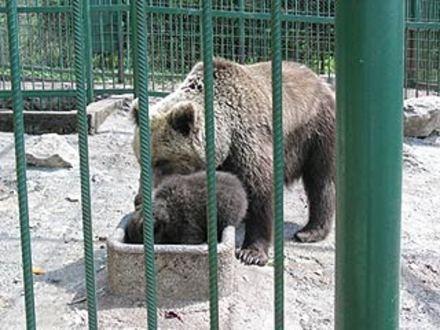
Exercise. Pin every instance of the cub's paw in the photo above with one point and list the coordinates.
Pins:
(311, 235)
(252, 256)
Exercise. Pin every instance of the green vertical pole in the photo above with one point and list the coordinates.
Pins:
(278, 164)
(241, 55)
(88, 49)
(208, 70)
(146, 173)
(134, 38)
(370, 37)
(78, 22)
(120, 37)
(20, 162)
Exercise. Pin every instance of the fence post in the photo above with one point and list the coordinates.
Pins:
(78, 20)
(208, 77)
(369, 58)
(134, 38)
(141, 51)
(20, 162)
(88, 50)
(278, 164)
(242, 33)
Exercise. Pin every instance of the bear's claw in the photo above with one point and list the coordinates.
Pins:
(252, 256)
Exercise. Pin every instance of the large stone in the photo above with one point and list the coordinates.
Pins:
(422, 116)
(50, 151)
(182, 274)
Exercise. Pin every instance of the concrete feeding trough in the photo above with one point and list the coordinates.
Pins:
(181, 270)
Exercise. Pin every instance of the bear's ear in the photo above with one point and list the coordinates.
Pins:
(183, 118)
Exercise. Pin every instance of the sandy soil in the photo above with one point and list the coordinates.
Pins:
(55, 220)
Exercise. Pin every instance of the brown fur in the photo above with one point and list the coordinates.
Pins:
(243, 118)
(179, 209)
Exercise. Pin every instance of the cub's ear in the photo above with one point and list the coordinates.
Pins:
(183, 118)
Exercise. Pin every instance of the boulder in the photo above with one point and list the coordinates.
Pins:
(421, 116)
(50, 151)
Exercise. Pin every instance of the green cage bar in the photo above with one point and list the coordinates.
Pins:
(278, 164)
(88, 50)
(84, 161)
(369, 50)
(20, 161)
(133, 40)
(145, 148)
(208, 71)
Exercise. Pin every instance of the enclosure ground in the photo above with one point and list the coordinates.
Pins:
(56, 230)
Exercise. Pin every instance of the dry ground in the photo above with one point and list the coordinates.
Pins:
(55, 220)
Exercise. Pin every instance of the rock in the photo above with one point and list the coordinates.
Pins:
(51, 151)
(421, 116)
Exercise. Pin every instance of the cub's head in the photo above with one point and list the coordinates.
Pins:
(177, 142)
(169, 229)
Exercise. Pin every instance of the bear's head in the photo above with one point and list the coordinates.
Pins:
(177, 140)
(178, 130)
(171, 228)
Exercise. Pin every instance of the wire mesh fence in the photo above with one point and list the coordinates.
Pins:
(166, 38)
(241, 31)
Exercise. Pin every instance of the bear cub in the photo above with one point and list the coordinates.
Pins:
(180, 211)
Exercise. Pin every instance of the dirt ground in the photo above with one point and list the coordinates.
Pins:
(57, 246)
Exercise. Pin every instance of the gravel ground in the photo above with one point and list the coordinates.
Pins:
(55, 220)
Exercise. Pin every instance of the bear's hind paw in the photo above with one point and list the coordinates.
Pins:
(311, 235)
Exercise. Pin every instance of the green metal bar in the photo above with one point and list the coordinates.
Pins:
(428, 64)
(64, 49)
(278, 164)
(79, 38)
(102, 49)
(435, 26)
(120, 38)
(49, 32)
(161, 49)
(369, 172)
(71, 93)
(128, 53)
(438, 61)
(6, 94)
(111, 47)
(88, 50)
(155, 48)
(208, 77)
(41, 36)
(146, 172)
(41, 9)
(20, 161)
(133, 38)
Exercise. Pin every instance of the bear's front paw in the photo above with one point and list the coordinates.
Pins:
(252, 256)
(311, 235)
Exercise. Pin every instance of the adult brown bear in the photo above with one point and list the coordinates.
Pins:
(243, 119)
